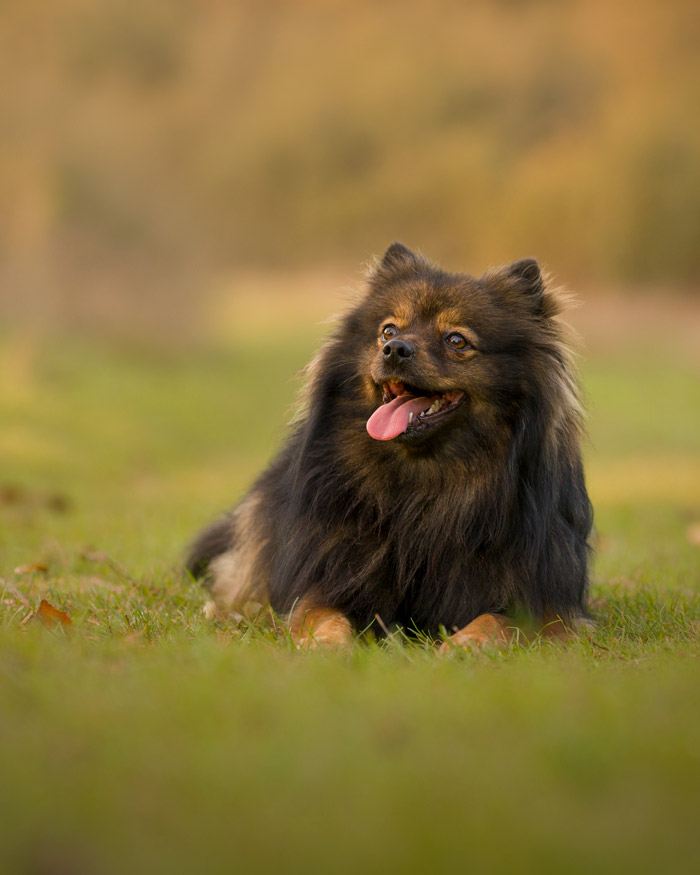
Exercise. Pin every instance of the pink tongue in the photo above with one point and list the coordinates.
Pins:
(391, 419)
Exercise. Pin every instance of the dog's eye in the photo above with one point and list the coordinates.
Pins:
(456, 341)
(389, 331)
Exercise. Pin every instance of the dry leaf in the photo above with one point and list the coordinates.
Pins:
(10, 493)
(32, 566)
(51, 616)
(58, 503)
(15, 593)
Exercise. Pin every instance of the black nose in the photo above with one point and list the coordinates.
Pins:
(395, 350)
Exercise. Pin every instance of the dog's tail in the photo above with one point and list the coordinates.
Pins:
(209, 543)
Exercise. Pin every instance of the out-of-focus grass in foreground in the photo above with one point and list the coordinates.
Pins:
(142, 739)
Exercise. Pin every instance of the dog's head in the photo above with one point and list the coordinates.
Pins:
(445, 352)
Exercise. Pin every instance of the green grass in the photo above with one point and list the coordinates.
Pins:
(142, 739)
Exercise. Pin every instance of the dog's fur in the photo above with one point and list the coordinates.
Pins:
(460, 523)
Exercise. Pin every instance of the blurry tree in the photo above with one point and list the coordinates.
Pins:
(148, 148)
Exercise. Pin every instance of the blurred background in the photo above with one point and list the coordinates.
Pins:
(190, 189)
(153, 154)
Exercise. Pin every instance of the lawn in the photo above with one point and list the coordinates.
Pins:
(141, 739)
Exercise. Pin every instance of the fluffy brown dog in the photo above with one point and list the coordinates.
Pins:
(434, 479)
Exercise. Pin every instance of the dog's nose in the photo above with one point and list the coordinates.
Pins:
(395, 350)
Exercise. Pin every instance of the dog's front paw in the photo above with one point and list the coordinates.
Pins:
(325, 640)
(488, 630)
(315, 628)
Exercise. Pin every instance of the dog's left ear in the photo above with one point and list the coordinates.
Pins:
(397, 255)
(528, 276)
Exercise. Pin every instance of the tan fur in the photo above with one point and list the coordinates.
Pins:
(300, 409)
(313, 627)
(401, 317)
(235, 582)
(487, 630)
(451, 320)
(495, 630)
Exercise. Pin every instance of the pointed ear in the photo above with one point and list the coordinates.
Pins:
(528, 275)
(397, 254)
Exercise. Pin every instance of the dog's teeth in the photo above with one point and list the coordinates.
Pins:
(410, 417)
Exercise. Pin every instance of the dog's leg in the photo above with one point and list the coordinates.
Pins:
(487, 630)
(495, 630)
(313, 626)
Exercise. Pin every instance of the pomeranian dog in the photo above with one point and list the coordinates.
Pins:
(433, 479)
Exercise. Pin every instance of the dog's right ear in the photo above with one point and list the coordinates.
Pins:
(397, 255)
(527, 274)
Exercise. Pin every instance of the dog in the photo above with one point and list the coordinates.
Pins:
(433, 480)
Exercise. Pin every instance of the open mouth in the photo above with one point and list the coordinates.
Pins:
(407, 408)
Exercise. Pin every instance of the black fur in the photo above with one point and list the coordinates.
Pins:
(212, 541)
(486, 512)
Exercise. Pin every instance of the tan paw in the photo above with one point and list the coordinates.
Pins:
(488, 630)
(314, 628)
(323, 641)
